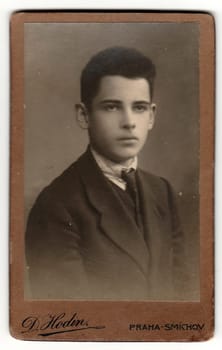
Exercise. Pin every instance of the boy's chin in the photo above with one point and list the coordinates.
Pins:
(125, 159)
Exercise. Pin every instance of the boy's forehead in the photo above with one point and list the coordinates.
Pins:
(121, 85)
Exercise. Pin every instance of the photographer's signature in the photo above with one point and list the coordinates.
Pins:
(56, 323)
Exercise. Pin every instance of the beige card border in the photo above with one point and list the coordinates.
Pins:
(109, 320)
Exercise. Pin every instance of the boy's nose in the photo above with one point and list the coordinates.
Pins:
(128, 121)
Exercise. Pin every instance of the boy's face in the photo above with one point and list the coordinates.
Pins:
(120, 117)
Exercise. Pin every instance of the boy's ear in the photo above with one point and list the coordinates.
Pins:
(82, 115)
(152, 116)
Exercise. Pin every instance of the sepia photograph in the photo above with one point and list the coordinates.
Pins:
(121, 115)
(111, 164)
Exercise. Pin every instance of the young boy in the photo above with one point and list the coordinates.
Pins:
(105, 229)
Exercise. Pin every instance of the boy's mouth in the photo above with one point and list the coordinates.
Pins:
(127, 138)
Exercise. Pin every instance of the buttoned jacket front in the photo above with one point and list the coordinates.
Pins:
(81, 242)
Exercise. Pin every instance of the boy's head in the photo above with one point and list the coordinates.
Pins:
(119, 61)
(116, 107)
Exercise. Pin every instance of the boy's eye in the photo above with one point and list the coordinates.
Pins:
(140, 108)
(111, 107)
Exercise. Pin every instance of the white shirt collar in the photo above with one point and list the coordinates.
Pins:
(113, 170)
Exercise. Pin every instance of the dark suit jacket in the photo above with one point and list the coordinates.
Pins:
(81, 243)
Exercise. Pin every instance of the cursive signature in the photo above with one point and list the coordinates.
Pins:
(56, 323)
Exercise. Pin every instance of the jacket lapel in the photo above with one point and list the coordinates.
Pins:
(155, 223)
(115, 221)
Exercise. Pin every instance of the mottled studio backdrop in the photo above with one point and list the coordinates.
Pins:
(55, 54)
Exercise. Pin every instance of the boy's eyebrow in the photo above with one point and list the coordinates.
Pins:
(110, 101)
(119, 101)
(143, 102)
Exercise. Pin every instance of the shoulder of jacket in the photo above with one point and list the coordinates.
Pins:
(154, 179)
(60, 187)
(159, 185)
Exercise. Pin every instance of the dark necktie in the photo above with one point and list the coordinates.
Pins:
(130, 178)
(131, 186)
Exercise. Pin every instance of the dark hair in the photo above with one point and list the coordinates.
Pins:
(126, 62)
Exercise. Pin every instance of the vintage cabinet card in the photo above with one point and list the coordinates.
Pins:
(112, 134)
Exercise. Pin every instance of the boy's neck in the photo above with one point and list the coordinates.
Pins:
(130, 163)
(112, 170)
